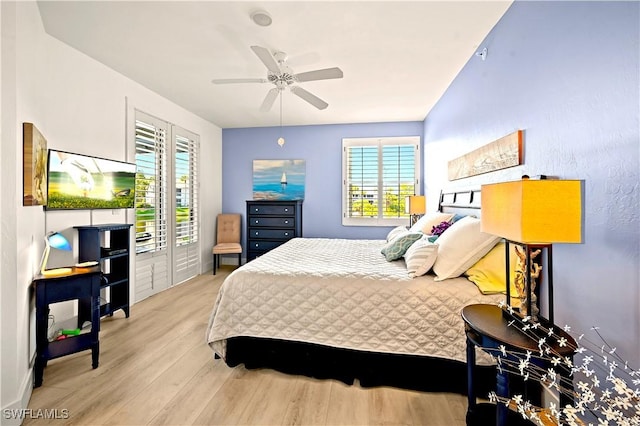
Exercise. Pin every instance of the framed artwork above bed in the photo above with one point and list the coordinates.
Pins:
(278, 179)
(499, 154)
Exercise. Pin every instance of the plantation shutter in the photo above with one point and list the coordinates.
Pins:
(187, 250)
(378, 175)
(151, 222)
(152, 252)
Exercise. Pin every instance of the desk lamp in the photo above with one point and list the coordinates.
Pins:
(415, 205)
(57, 241)
(533, 214)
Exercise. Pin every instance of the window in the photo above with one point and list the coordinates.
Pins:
(186, 250)
(151, 186)
(377, 175)
(186, 173)
(167, 217)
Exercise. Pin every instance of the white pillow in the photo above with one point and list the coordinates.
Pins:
(426, 223)
(395, 232)
(420, 257)
(460, 246)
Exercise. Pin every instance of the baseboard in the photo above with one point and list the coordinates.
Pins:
(14, 413)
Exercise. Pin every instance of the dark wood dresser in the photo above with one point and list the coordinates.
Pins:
(270, 224)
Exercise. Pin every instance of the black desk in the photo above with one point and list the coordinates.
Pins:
(82, 284)
(487, 327)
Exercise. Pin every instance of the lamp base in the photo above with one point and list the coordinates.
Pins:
(56, 272)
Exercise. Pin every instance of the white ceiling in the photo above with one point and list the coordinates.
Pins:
(398, 58)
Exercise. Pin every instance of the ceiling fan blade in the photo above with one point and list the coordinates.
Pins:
(238, 80)
(324, 74)
(267, 58)
(269, 99)
(311, 98)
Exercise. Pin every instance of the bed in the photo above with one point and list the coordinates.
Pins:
(338, 308)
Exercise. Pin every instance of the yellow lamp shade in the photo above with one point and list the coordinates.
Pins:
(533, 211)
(416, 204)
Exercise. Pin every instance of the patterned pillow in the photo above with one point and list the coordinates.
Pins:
(420, 257)
(397, 247)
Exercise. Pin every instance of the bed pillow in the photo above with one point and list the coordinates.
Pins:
(488, 273)
(397, 247)
(462, 245)
(395, 232)
(420, 257)
(429, 220)
(439, 229)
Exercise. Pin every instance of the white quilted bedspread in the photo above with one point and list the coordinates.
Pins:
(343, 293)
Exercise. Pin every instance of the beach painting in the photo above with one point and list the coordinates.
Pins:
(278, 179)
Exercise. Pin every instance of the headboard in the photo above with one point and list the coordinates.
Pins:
(460, 201)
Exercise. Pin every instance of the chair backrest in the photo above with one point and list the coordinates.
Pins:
(229, 228)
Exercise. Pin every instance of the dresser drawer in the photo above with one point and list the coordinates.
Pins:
(279, 234)
(272, 222)
(259, 245)
(272, 209)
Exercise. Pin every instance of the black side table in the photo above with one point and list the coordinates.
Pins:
(487, 327)
(82, 284)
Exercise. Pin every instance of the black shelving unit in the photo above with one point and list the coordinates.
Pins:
(109, 245)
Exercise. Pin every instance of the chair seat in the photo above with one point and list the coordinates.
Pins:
(224, 248)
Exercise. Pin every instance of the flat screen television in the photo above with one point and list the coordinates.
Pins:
(76, 181)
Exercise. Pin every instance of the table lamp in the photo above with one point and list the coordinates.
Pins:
(415, 205)
(57, 241)
(533, 214)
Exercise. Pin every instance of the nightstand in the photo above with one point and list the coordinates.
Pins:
(82, 284)
(487, 327)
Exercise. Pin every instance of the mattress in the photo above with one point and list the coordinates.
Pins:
(343, 293)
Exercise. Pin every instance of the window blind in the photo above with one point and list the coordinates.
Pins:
(186, 173)
(378, 175)
(151, 185)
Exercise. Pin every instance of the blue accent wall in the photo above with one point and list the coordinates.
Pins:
(321, 148)
(568, 74)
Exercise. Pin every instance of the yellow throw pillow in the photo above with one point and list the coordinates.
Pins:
(488, 273)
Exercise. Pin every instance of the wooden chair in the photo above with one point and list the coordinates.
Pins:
(228, 232)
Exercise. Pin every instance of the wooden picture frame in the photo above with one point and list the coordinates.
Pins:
(500, 154)
(34, 168)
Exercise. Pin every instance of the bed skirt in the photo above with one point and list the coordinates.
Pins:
(429, 374)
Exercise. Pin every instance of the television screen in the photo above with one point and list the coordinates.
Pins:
(78, 181)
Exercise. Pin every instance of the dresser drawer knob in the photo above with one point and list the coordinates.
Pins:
(256, 221)
(286, 234)
(286, 221)
(256, 233)
(257, 245)
(286, 210)
(257, 210)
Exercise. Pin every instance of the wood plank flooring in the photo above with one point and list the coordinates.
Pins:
(156, 369)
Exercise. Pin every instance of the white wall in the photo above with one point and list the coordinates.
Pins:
(79, 105)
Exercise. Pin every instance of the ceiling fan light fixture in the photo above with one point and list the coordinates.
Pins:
(261, 18)
(281, 138)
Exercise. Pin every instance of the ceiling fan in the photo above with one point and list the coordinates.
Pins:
(280, 75)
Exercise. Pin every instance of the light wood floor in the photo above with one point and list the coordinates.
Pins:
(155, 368)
